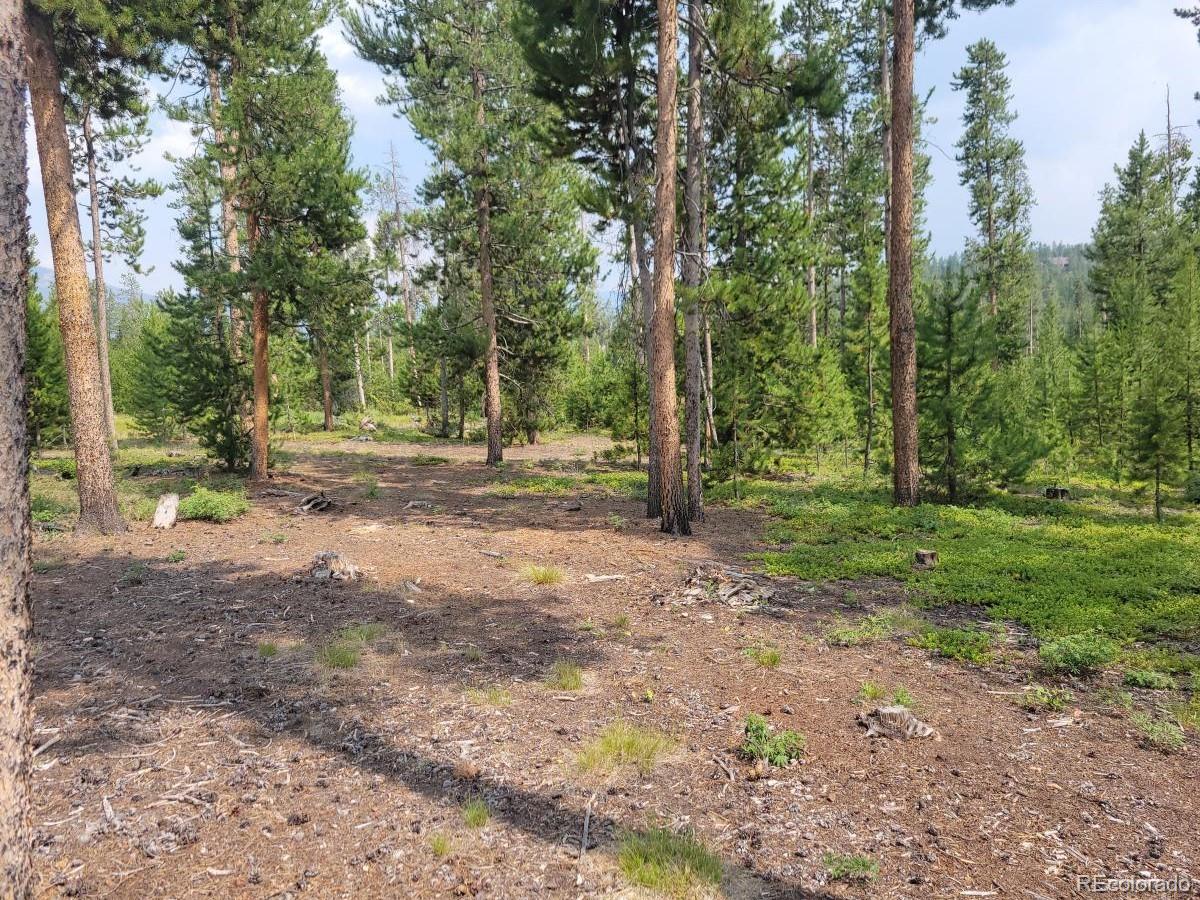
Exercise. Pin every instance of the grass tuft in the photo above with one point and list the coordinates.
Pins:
(268, 649)
(338, 656)
(363, 634)
(428, 459)
(544, 575)
(624, 744)
(1039, 698)
(676, 865)
(877, 627)
(492, 695)
(565, 676)
(439, 845)
(1162, 735)
(176, 556)
(475, 813)
(853, 867)
(767, 657)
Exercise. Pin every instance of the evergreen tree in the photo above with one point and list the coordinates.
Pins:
(45, 374)
(992, 168)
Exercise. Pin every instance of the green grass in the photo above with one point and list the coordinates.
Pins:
(677, 865)
(565, 676)
(440, 845)
(767, 657)
(426, 459)
(338, 656)
(369, 484)
(854, 867)
(268, 649)
(962, 644)
(624, 744)
(475, 813)
(1039, 698)
(363, 634)
(473, 654)
(871, 692)
(543, 575)
(492, 695)
(1057, 568)
(1149, 679)
(877, 627)
(213, 506)
(176, 556)
(763, 742)
(1163, 735)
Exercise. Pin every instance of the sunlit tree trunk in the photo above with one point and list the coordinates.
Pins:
(16, 621)
(98, 510)
(662, 334)
(229, 215)
(906, 473)
(260, 326)
(89, 143)
(491, 357)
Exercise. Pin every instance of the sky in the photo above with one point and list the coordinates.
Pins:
(1087, 77)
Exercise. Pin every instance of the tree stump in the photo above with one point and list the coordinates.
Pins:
(167, 510)
(926, 559)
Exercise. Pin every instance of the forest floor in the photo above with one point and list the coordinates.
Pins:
(212, 721)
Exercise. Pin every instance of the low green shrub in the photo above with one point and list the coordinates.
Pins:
(1078, 654)
(213, 506)
(962, 644)
(763, 742)
(1145, 678)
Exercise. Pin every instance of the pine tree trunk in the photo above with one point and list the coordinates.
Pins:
(906, 473)
(260, 325)
(491, 359)
(662, 332)
(16, 620)
(810, 209)
(229, 216)
(646, 288)
(358, 379)
(444, 392)
(885, 99)
(98, 508)
(693, 270)
(326, 383)
(110, 417)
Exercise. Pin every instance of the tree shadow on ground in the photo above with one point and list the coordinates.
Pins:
(181, 634)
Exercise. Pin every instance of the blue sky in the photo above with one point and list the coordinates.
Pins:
(1087, 76)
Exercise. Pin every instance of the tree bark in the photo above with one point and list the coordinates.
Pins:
(885, 100)
(358, 378)
(260, 326)
(491, 360)
(693, 268)
(645, 281)
(906, 472)
(229, 215)
(326, 383)
(110, 417)
(16, 620)
(98, 510)
(662, 334)
(810, 209)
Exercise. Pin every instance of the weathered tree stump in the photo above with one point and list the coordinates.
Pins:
(167, 510)
(926, 559)
(1058, 493)
(332, 566)
(367, 424)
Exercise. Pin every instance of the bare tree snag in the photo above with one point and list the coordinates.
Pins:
(16, 620)
(906, 471)
(98, 509)
(662, 337)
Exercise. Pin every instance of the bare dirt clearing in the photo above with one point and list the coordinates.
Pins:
(198, 737)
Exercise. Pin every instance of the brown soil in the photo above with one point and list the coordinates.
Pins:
(177, 761)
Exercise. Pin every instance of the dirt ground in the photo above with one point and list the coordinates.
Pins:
(175, 760)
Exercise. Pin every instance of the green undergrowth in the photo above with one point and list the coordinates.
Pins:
(1093, 565)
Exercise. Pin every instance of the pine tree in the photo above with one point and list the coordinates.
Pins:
(156, 390)
(992, 168)
(45, 373)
